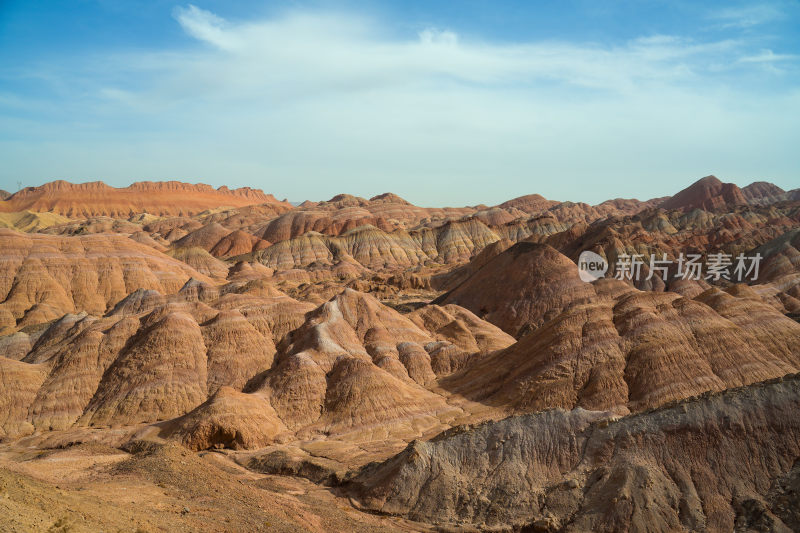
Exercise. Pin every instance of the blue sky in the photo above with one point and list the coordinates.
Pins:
(441, 102)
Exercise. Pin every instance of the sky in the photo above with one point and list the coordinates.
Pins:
(443, 103)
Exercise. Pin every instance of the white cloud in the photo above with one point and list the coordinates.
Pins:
(206, 26)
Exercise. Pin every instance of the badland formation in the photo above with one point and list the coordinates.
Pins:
(175, 357)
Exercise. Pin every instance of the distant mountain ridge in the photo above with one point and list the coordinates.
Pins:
(709, 194)
(163, 198)
(175, 198)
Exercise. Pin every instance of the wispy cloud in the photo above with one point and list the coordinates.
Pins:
(747, 16)
(303, 54)
(768, 56)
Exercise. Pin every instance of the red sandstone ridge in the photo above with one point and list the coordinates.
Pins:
(164, 198)
(709, 194)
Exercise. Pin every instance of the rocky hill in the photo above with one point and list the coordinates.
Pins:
(717, 462)
(43, 277)
(709, 194)
(349, 365)
(524, 286)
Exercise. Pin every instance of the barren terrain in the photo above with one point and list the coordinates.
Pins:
(175, 357)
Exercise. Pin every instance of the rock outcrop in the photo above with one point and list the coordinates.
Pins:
(713, 463)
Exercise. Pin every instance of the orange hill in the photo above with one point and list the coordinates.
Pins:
(164, 198)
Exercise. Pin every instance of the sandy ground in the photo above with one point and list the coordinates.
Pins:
(95, 487)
